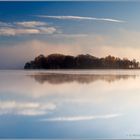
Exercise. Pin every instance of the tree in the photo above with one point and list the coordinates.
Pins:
(60, 61)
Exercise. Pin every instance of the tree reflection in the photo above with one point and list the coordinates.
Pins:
(58, 78)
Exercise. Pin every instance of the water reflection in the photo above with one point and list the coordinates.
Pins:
(36, 104)
(58, 78)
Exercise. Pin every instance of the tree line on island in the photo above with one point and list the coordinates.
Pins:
(60, 61)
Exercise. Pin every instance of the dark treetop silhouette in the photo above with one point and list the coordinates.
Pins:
(60, 61)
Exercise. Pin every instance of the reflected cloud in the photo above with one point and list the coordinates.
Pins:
(59, 78)
(82, 118)
(25, 108)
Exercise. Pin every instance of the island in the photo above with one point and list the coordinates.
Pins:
(82, 61)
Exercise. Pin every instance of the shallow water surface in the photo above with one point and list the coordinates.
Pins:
(70, 104)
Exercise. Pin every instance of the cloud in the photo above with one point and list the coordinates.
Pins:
(25, 28)
(82, 118)
(31, 24)
(9, 31)
(25, 108)
(13, 31)
(81, 18)
(48, 30)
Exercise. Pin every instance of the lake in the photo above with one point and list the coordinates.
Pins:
(70, 104)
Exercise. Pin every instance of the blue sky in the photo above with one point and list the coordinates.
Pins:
(28, 29)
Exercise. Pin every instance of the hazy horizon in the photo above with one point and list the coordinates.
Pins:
(28, 29)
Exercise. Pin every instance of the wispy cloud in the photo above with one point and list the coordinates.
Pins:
(81, 18)
(82, 118)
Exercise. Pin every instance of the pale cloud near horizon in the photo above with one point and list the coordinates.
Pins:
(16, 55)
(81, 18)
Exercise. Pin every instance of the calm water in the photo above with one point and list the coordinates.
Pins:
(70, 104)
